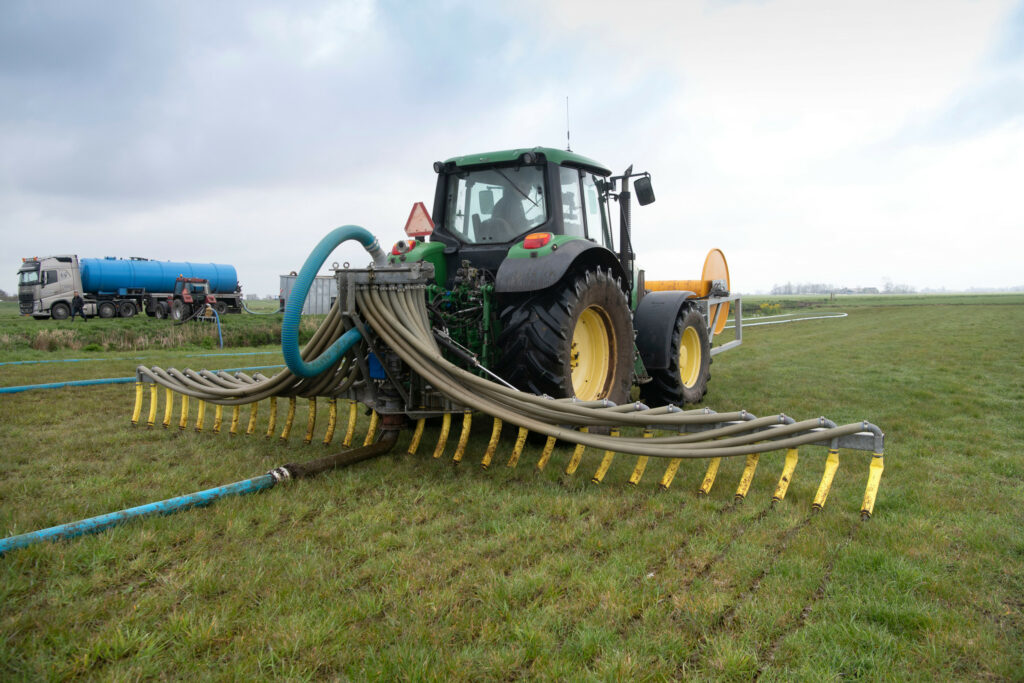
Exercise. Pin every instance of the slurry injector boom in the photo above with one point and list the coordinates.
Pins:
(514, 300)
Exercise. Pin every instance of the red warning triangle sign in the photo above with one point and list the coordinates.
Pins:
(419, 223)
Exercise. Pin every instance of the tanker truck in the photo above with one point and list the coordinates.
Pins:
(117, 287)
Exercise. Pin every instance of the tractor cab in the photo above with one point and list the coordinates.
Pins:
(485, 204)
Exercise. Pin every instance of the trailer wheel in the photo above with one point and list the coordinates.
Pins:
(106, 309)
(573, 339)
(685, 380)
(221, 307)
(160, 310)
(127, 309)
(60, 311)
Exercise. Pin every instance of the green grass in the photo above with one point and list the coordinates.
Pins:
(33, 338)
(409, 567)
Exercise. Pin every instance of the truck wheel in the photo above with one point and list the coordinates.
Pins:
(127, 309)
(60, 311)
(160, 310)
(107, 309)
(685, 380)
(573, 339)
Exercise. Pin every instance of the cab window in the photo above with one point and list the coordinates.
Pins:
(598, 227)
(495, 205)
(572, 208)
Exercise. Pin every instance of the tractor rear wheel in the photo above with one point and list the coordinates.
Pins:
(180, 311)
(685, 380)
(573, 339)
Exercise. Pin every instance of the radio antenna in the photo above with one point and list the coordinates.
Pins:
(568, 144)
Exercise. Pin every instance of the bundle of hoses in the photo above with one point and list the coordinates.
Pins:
(399, 317)
(240, 389)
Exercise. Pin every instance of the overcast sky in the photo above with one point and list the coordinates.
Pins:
(839, 142)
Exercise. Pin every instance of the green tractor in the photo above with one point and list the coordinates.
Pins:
(532, 283)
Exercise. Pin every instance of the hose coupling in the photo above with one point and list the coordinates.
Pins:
(280, 474)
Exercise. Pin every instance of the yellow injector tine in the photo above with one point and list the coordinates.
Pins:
(350, 430)
(831, 465)
(289, 418)
(492, 445)
(606, 462)
(670, 472)
(154, 394)
(442, 438)
(709, 477)
(747, 477)
(168, 407)
(236, 412)
(517, 450)
(254, 411)
(577, 456)
(371, 431)
(332, 421)
(460, 448)
(200, 415)
(416, 436)
(641, 462)
(310, 421)
(787, 475)
(218, 418)
(137, 410)
(549, 447)
(272, 420)
(874, 478)
(183, 421)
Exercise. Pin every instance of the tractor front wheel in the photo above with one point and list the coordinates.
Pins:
(685, 380)
(573, 339)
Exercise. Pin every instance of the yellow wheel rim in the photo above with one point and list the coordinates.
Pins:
(593, 348)
(689, 357)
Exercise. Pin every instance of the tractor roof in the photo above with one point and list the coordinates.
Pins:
(558, 156)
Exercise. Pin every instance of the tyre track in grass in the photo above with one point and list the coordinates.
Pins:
(766, 656)
(725, 620)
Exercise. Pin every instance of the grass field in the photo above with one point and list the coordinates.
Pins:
(409, 567)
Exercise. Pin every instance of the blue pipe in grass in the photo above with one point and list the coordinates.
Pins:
(297, 298)
(165, 507)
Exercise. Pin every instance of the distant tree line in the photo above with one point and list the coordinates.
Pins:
(820, 288)
(4, 296)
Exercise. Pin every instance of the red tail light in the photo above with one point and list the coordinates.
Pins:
(536, 240)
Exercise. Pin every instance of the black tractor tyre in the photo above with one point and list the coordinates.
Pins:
(572, 339)
(179, 311)
(127, 309)
(106, 309)
(60, 311)
(685, 380)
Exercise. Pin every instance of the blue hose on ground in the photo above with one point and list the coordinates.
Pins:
(304, 280)
(165, 507)
(109, 380)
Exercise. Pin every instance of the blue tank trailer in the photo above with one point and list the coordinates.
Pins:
(113, 287)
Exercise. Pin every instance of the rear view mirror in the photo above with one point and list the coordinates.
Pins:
(487, 201)
(644, 191)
